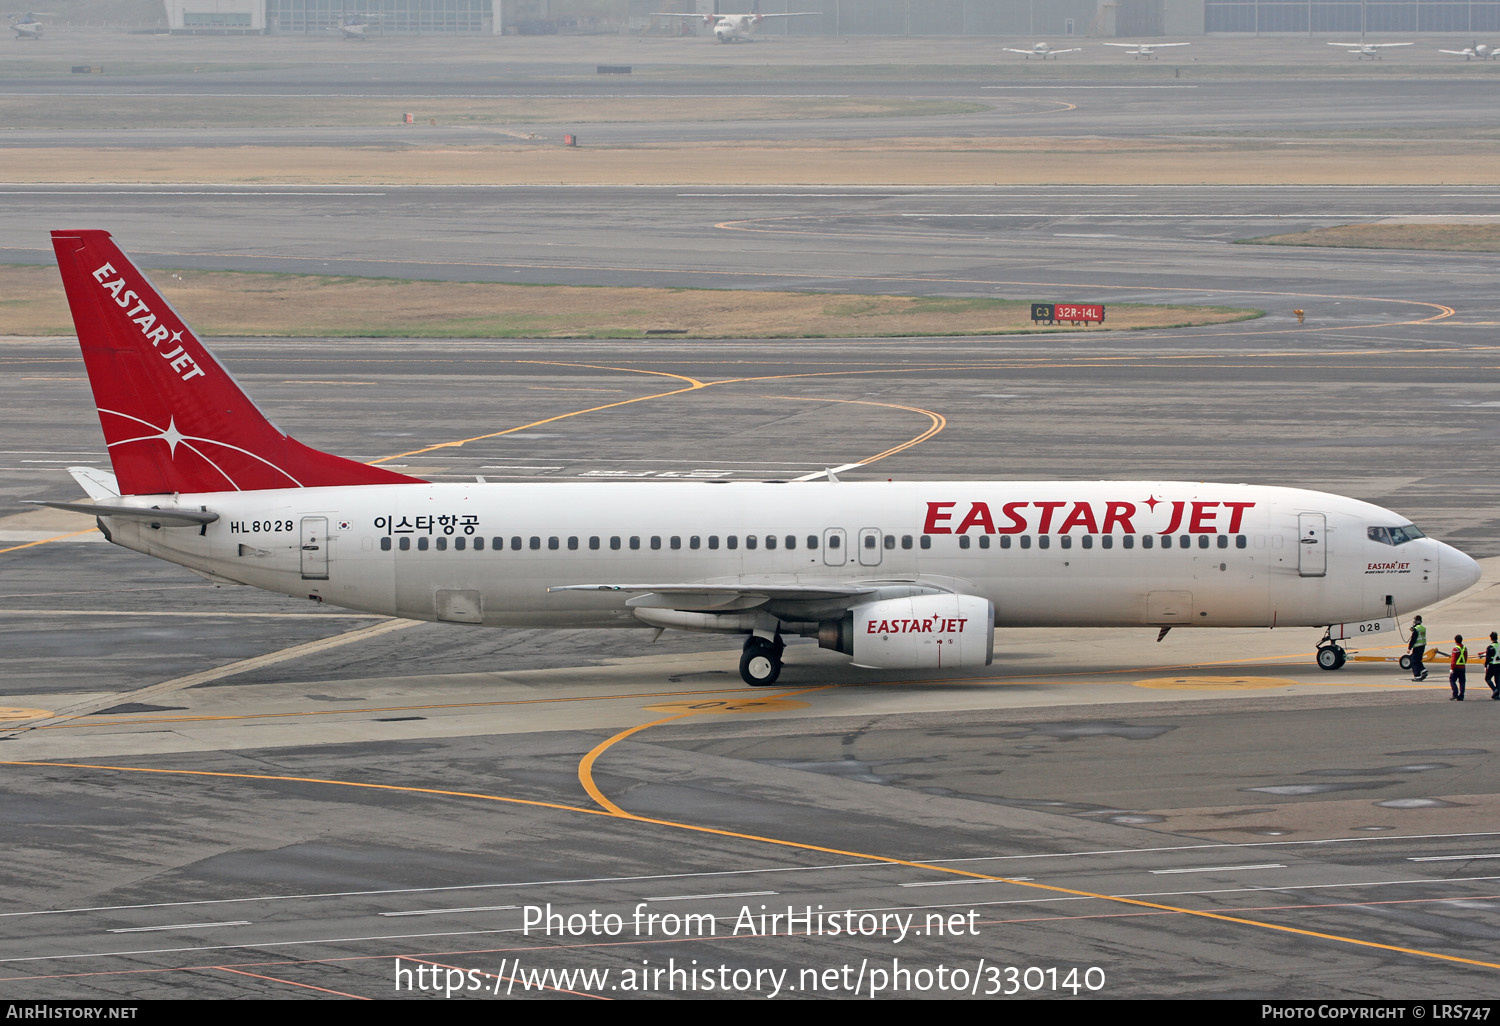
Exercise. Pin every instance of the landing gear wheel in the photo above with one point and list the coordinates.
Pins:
(760, 664)
(1331, 657)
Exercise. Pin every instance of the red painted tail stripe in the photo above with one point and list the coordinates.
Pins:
(173, 418)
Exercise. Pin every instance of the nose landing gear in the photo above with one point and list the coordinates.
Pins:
(1331, 657)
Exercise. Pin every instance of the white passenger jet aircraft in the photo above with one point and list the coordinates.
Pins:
(1371, 50)
(1139, 50)
(1042, 50)
(737, 28)
(897, 575)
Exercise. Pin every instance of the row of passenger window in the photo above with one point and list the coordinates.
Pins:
(634, 542)
(1106, 541)
(771, 541)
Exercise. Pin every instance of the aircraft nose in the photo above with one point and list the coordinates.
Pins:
(1458, 572)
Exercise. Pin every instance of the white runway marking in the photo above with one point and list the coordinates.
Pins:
(728, 894)
(450, 911)
(1217, 869)
(179, 926)
(1448, 858)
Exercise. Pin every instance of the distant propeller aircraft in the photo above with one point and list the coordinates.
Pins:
(353, 26)
(1484, 51)
(1139, 50)
(1371, 50)
(1042, 50)
(737, 28)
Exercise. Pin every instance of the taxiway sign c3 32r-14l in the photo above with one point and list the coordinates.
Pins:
(894, 574)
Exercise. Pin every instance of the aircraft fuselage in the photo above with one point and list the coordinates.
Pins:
(1044, 553)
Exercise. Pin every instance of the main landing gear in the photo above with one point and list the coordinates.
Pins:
(760, 663)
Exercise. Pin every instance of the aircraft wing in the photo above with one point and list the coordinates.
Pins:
(1074, 49)
(756, 593)
(724, 597)
(791, 14)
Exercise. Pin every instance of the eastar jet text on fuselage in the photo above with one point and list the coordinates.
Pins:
(893, 574)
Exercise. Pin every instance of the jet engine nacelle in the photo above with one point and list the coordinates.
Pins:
(924, 632)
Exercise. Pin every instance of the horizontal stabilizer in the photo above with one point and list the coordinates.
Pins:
(154, 515)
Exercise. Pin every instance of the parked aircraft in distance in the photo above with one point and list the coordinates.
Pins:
(894, 574)
(1042, 50)
(355, 27)
(737, 28)
(1483, 51)
(1371, 50)
(1139, 50)
(27, 26)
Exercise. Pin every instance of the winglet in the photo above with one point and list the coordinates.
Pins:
(173, 418)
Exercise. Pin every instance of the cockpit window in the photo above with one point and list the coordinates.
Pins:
(1394, 535)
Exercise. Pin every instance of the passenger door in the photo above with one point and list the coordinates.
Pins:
(1312, 545)
(315, 548)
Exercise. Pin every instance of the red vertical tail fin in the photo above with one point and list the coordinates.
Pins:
(173, 418)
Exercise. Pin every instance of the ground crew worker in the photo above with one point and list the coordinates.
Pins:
(1492, 665)
(1458, 661)
(1417, 647)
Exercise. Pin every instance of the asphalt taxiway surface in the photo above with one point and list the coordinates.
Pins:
(231, 783)
(226, 793)
(1278, 92)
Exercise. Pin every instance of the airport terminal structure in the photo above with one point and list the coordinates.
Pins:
(1057, 18)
